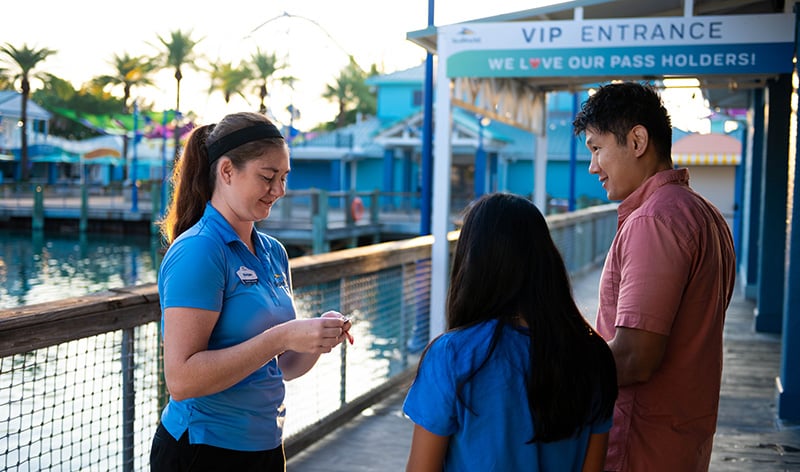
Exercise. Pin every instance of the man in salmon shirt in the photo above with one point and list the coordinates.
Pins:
(667, 281)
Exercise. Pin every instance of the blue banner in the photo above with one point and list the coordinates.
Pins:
(760, 58)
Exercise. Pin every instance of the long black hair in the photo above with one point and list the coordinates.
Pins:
(506, 266)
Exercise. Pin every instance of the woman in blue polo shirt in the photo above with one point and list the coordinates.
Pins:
(230, 332)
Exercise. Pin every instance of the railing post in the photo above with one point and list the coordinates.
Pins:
(348, 208)
(343, 375)
(156, 211)
(37, 223)
(374, 213)
(319, 221)
(128, 400)
(83, 225)
(286, 207)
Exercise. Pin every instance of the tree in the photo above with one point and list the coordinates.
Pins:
(57, 93)
(179, 51)
(351, 93)
(129, 72)
(229, 80)
(5, 80)
(264, 67)
(26, 58)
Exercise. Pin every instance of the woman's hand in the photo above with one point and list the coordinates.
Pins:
(317, 335)
(345, 327)
(306, 339)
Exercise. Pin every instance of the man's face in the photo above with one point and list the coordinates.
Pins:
(615, 164)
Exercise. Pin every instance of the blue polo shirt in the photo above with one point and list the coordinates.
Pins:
(492, 434)
(208, 267)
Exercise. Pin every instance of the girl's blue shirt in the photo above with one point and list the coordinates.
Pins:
(489, 430)
(209, 268)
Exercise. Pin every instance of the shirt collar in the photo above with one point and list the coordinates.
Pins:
(653, 183)
(218, 222)
(226, 232)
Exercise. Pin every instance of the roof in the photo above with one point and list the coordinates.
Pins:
(707, 149)
(11, 106)
(355, 140)
(413, 75)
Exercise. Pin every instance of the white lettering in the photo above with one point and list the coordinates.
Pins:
(720, 59)
(586, 62)
(553, 62)
(501, 63)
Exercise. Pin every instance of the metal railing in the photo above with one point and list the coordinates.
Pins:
(81, 386)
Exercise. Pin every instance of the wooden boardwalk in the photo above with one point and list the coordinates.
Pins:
(293, 223)
(749, 436)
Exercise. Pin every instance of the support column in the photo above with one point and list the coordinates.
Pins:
(789, 381)
(738, 197)
(769, 304)
(440, 216)
(388, 177)
(753, 156)
(540, 161)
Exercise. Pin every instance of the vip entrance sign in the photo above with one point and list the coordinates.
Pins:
(670, 46)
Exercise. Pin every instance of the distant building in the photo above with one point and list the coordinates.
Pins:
(384, 153)
(11, 138)
(97, 160)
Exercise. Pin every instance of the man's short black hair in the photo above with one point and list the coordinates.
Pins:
(616, 108)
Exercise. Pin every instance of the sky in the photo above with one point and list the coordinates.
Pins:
(313, 37)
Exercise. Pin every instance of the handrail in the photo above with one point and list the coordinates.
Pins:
(385, 285)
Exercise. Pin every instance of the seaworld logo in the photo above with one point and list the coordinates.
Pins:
(466, 35)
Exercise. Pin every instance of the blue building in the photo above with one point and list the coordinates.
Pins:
(384, 152)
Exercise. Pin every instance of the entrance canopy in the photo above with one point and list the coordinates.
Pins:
(730, 46)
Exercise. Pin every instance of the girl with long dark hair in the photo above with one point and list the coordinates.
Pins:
(519, 380)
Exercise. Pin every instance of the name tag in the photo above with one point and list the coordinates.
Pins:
(247, 276)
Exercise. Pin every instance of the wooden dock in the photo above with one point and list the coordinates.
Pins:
(307, 222)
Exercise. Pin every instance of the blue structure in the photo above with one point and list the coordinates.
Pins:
(385, 152)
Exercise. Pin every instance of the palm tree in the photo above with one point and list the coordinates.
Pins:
(5, 81)
(229, 80)
(264, 67)
(26, 59)
(350, 92)
(179, 51)
(131, 71)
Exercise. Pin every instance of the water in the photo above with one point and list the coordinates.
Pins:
(42, 267)
(56, 382)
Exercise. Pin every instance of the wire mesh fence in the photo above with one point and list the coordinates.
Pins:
(64, 407)
(81, 386)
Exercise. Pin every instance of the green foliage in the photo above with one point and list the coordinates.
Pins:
(230, 79)
(59, 93)
(352, 94)
(130, 71)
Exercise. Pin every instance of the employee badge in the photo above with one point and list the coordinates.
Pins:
(247, 276)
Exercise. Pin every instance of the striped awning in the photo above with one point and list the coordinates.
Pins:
(706, 159)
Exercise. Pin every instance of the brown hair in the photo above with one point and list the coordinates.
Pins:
(193, 178)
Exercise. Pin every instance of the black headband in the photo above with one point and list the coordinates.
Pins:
(241, 136)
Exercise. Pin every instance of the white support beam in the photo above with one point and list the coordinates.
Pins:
(440, 214)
